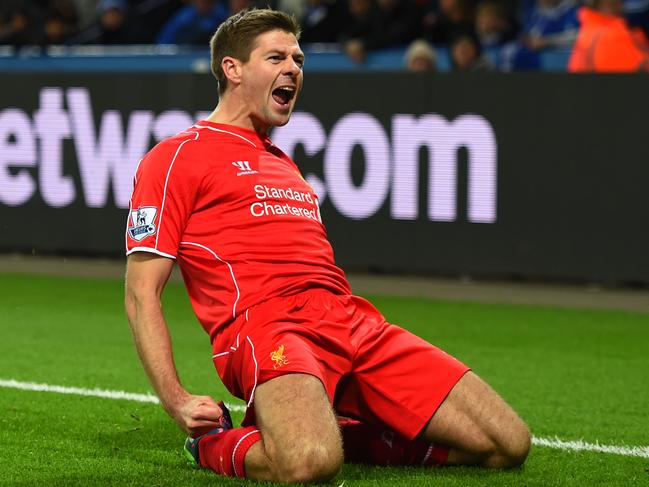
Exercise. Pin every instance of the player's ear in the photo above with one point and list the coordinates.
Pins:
(232, 69)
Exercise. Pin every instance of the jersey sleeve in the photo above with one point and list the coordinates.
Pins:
(164, 192)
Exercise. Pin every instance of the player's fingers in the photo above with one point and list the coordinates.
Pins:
(198, 428)
(202, 401)
(207, 412)
(202, 423)
(204, 407)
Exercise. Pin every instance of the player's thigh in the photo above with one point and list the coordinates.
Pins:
(399, 380)
(477, 423)
(297, 422)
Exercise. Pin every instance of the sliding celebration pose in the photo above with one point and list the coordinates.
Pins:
(326, 379)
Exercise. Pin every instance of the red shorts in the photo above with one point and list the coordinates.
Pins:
(372, 371)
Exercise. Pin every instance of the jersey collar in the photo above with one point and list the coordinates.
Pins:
(261, 141)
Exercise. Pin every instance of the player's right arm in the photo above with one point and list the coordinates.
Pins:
(163, 197)
(146, 277)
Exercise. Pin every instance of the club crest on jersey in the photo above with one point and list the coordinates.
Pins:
(244, 168)
(142, 222)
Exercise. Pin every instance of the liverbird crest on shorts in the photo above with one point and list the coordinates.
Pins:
(278, 357)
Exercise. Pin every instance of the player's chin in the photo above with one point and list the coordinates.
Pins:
(278, 115)
(282, 122)
(281, 119)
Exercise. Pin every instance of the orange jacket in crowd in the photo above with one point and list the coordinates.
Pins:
(607, 44)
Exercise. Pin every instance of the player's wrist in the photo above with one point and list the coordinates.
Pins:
(173, 404)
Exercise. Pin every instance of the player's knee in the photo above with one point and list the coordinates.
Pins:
(519, 446)
(313, 463)
(512, 450)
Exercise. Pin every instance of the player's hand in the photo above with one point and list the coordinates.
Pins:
(197, 415)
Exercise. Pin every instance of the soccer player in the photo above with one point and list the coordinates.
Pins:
(325, 378)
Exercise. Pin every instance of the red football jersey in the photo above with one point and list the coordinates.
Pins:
(235, 212)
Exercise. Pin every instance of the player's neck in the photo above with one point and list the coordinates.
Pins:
(237, 115)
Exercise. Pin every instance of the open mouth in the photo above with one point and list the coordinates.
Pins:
(283, 95)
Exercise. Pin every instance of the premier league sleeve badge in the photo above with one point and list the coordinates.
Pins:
(141, 223)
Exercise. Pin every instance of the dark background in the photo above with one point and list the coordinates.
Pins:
(573, 158)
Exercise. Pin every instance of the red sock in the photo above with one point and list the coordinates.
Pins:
(379, 446)
(225, 452)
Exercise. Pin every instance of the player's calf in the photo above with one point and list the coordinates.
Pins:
(479, 426)
(508, 448)
(374, 445)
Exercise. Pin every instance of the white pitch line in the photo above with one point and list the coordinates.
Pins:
(556, 443)
(579, 445)
(103, 393)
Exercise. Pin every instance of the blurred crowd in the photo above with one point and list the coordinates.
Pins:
(480, 35)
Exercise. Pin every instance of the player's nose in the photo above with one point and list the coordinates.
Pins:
(291, 67)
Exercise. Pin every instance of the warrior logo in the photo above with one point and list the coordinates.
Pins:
(278, 357)
(142, 222)
(244, 168)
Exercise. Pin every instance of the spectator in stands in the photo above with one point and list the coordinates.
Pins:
(194, 24)
(388, 23)
(61, 22)
(116, 25)
(549, 24)
(420, 56)
(606, 43)
(493, 26)
(151, 15)
(87, 12)
(552, 23)
(363, 23)
(296, 8)
(125, 21)
(466, 55)
(400, 23)
(18, 25)
(322, 21)
(56, 29)
(43, 22)
(452, 19)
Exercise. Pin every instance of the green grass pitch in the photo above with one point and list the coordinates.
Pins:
(573, 374)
